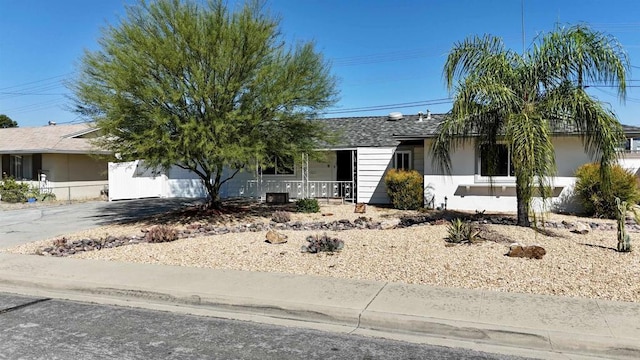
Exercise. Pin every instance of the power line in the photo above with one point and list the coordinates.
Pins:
(413, 104)
(36, 81)
(28, 94)
(35, 106)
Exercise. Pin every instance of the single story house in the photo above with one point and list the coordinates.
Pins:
(56, 158)
(354, 167)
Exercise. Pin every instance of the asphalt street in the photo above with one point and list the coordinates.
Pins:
(41, 328)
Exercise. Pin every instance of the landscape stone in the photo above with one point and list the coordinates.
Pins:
(390, 224)
(529, 252)
(274, 237)
(581, 229)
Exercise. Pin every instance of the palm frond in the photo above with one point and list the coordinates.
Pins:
(584, 56)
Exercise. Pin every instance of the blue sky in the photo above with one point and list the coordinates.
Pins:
(388, 55)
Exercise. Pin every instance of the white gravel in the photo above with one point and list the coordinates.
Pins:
(575, 265)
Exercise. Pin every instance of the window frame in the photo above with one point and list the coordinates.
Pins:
(21, 167)
(508, 178)
(276, 171)
(409, 159)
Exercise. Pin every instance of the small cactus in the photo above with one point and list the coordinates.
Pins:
(624, 242)
(317, 243)
(161, 233)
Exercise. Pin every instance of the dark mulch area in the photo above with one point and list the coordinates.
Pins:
(231, 210)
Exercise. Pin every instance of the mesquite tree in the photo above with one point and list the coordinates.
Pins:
(203, 88)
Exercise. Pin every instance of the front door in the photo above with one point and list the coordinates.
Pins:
(345, 170)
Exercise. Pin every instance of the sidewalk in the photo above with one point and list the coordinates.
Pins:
(526, 325)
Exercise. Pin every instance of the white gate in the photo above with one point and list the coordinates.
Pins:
(131, 180)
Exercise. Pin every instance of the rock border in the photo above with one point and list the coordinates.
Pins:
(63, 247)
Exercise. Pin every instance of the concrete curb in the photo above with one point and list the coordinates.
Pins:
(354, 306)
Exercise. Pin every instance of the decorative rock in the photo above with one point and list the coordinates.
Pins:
(390, 224)
(581, 229)
(530, 252)
(274, 237)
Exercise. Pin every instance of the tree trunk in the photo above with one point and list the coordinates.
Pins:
(214, 192)
(523, 207)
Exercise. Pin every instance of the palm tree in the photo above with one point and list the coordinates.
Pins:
(521, 100)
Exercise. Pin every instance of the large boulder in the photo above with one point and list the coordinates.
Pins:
(529, 252)
(389, 224)
(581, 228)
(274, 237)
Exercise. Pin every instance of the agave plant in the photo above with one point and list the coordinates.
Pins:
(461, 232)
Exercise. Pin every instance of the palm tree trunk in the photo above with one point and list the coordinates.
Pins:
(523, 206)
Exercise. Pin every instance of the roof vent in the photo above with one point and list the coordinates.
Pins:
(395, 116)
(428, 114)
(51, 123)
(420, 116)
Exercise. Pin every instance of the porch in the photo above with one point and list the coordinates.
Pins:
(299, 189)
(333, 177)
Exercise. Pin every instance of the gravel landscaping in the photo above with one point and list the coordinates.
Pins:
(384, 245)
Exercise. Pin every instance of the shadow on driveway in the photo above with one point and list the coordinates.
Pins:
(129, 211)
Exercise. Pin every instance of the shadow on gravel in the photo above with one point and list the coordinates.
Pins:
(182, 211)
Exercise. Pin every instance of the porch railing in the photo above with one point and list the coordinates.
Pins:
(297, 189)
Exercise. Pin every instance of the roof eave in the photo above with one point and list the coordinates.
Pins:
(56, 151)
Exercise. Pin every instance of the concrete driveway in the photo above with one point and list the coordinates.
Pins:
(25, 225)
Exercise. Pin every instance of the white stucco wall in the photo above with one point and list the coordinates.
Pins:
(127, 183)
(465, 190)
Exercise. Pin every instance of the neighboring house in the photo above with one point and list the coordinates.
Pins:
(56, 158)
(354, 167)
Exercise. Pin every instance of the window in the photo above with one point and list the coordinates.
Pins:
(20, 167)
(281, 166)
(501, 164)
(402, 160)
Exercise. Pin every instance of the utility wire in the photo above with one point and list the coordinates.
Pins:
(390, 106)
(37, 81)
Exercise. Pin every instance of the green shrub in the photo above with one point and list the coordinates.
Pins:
(307, 205)
(12, 191)
(46, 196)
(404, 189)
(589, 191)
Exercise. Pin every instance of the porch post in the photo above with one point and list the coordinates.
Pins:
(354, 175)
(305, 174)
(258, 181)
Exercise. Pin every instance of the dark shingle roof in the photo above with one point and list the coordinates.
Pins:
(379, 131)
